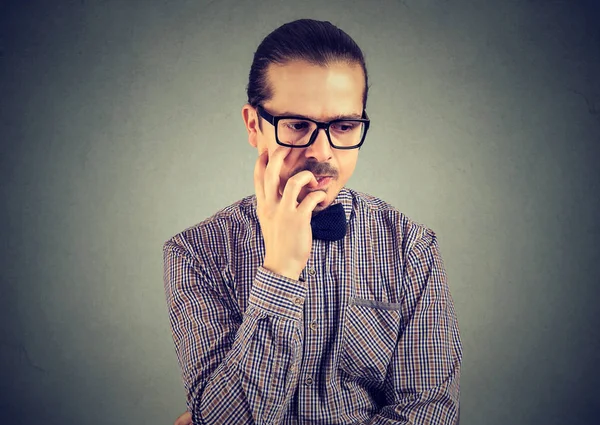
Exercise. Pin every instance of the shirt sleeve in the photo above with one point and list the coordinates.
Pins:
(236, 368)
(422, 384)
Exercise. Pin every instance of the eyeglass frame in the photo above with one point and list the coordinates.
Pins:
(274, 121)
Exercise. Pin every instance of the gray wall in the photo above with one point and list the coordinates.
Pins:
(121, 126)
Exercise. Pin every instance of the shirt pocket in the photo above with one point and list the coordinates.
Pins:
(371, 331)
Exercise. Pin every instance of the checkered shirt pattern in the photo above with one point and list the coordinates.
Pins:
(367, 335)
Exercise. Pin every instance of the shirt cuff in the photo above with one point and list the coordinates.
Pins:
(277, 294)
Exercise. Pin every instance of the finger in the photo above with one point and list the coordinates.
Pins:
(184, 419)
(272, 173)
(310, 202)
(295, 184)
(259, 176)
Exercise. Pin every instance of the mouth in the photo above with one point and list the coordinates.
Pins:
(323, 181)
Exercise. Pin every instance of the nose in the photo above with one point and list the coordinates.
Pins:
(320, 148)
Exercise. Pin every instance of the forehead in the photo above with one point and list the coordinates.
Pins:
(315, 91)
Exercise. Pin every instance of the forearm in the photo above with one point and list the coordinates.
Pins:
(253, 383)
(438, 405)
(235, 371)
(423, 382)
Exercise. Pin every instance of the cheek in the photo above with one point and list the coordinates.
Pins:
(263, 145)
(266, 141)
(286, 172)
(347, 163)
(290, 163)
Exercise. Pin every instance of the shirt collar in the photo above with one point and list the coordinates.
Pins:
(344, 197)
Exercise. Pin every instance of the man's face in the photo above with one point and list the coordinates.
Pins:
(320, 93)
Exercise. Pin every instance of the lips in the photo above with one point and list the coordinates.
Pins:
(322, 181)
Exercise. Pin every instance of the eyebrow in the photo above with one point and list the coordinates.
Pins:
(331, 118)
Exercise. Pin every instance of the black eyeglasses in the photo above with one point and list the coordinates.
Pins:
(301, 132)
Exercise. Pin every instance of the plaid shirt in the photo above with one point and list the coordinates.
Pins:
(367, 334)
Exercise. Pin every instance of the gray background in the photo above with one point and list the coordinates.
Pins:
(121, 126)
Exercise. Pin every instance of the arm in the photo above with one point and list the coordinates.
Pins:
(422, 384)
(235, 369)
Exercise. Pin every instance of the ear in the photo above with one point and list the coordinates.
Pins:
(250, 118)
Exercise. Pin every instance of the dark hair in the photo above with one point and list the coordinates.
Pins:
(316, 42)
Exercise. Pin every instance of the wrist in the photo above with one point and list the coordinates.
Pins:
(289, 272)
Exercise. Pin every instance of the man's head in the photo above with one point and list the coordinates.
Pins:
(312, 69)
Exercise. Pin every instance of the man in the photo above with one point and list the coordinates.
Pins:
(309, 302)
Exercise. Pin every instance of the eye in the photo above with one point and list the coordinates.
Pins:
(344, 126)
(297, 126)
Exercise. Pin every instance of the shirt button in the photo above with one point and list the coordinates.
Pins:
(313, 325)
(312, 272)
(298, 301)
(308, 381)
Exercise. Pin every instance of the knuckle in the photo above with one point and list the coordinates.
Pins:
(293, 183)
(300, 178)
(270, 172)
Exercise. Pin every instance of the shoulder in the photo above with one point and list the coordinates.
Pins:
(214, 234)
(388, 219)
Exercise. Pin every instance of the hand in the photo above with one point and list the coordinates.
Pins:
(284, 222)
(184, 419)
